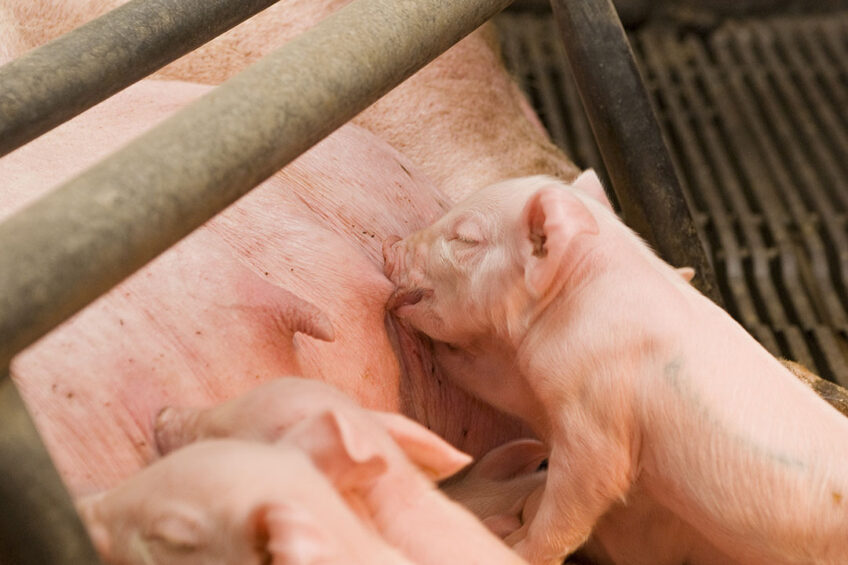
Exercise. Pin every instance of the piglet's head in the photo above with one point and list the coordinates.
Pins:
(487, 263)
(225, 501)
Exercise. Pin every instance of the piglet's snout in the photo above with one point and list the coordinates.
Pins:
(399, 268)
(407, 297)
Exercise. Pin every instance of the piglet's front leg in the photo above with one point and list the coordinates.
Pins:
(587, 472)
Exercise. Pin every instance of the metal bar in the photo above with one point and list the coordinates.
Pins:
(57, 81)
(629, 136)
(38, 523)
(69, 247)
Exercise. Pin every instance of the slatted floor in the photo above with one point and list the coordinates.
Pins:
(755, 113)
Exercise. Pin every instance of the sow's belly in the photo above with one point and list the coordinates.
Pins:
(286, 281)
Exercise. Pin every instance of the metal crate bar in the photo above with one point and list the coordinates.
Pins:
(66, 249)
(57, 81)
(628, 135)
(38, 524)
(71, 246)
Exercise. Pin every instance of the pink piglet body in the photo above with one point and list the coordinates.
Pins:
(401, 502)
(545, 305)
(228, 502)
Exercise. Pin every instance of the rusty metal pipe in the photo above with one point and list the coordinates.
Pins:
(38, 523)
(71, 246)
(57, 81)
(629, 136)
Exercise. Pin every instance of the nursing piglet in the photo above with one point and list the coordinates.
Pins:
(548, 307)
(229, 502)
(403, 503)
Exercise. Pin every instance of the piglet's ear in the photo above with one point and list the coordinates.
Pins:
(339, 449)
(589, 183)
(551, 219)
(510, 460)
(687, 273)
(291, 536)
(430, 453)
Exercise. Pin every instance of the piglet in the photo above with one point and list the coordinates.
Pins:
(402, 503)
(229, 502)
(545, 305)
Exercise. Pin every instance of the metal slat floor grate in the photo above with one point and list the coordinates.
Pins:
(755, 114)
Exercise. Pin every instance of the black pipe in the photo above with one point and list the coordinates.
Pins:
(629, 136)
(57, 81)
(38, 523)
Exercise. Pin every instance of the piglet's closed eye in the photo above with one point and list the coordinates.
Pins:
(182, 528)
(551, 220)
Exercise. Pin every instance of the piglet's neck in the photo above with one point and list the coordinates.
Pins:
(608, 298)
(584, 263)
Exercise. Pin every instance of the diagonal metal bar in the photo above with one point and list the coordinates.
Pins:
(69, 247)
(57, 81)
(628, 135)
(38, 523)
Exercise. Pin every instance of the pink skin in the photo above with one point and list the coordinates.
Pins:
(642, 532)
(524, 279)
(269, 411)
(502, 488)
(223, 310)
(286, 281)
(228, 502)
(401, 502)
(464, 95)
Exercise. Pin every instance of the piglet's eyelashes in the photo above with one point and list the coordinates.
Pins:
(463, 240)
(466, 231)
(181, 530)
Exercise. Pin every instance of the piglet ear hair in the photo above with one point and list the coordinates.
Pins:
(291, 536)
(344, 453)
(590, 184)
(551, 219)
(430, 453)
(510, 460)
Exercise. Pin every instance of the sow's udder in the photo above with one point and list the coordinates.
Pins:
(288, 281)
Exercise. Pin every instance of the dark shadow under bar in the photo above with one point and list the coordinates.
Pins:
(38, 522)
(629, 136)
(74, 244)
(57, 81)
